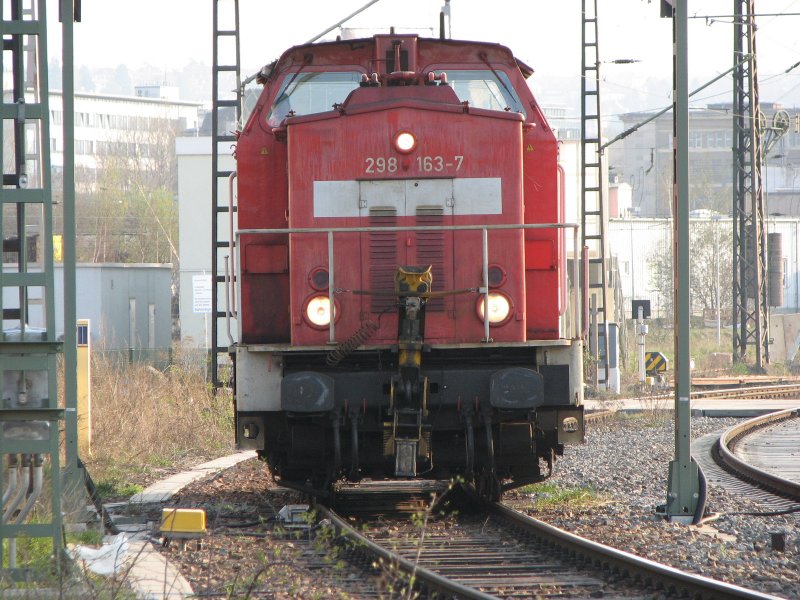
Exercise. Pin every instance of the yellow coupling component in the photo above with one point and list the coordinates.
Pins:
(413, 280)
(410, 355)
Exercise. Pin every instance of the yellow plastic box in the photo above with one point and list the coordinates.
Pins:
(179, 522)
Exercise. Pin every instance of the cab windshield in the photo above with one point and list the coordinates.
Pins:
(487, 89)
(307, 93)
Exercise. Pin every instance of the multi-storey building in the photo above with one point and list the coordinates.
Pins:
(140, 127)
(644, 160)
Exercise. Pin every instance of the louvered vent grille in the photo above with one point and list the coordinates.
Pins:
(430, 251)
(382, 256)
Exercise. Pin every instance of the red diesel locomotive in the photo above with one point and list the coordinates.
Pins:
(405, 303)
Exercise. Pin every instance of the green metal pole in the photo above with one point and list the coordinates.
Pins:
(70, 332)
(683, 483)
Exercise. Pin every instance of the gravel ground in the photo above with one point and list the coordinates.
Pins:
(624, 460)
(261, 559)
(627, 460)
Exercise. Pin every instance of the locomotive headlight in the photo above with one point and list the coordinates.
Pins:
(405, 142)
(499, 308)
(318, 311)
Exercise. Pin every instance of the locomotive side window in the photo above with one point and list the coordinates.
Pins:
(483, 89)
(311, 92)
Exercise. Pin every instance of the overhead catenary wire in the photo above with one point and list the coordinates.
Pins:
(339, 23)
(665, 110)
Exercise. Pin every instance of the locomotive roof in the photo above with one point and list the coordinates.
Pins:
(361, 50)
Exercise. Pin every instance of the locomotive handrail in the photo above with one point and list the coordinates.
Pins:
(231, 242)
(574, 226)
(230, 274)
(330, 231)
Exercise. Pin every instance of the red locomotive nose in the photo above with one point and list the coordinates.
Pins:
(402, 268)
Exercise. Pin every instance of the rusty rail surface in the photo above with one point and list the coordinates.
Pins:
(770, 481)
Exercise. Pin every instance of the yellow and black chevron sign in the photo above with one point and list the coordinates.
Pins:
(655, 362)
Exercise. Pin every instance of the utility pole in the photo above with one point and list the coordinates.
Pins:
(683, 481)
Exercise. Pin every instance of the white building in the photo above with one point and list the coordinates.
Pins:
(118, 125)
(194, 224)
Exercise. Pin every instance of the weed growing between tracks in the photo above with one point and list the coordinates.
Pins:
(397, 582)
(549, 496)
(148, 423)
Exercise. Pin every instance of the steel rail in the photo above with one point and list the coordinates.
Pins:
(641, 571)
(432, 581)
(765, 479)
(765, 391)
(742, 393)
(599, 415)
(634, 566)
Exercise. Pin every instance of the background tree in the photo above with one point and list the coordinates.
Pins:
(711, 253)
(127, 210)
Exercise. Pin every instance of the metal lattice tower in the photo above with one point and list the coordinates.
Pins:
(226, 99)
(30, 416)
(593, 215)
(750, 302)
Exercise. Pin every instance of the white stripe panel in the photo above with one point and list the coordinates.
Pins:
(336, 198)
(478, 196)
(471, 196)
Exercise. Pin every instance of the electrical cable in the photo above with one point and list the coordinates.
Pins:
(91, 489)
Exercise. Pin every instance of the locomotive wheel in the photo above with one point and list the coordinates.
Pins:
(488, 486)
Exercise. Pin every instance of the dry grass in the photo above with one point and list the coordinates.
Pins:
(148, 423)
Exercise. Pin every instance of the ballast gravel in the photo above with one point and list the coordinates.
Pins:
(623, 464)
(625, 460)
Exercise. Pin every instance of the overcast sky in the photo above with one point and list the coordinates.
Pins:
(543, 33)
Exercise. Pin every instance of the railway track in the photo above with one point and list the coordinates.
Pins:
(787, 390)
(517, 556)
(765, 451)
(760, 392)
(235, 500)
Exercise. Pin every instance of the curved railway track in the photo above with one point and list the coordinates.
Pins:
(787, 390)
(765, 451)
(741, 392)
(518, 556)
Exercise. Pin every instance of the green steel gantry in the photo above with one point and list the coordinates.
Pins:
(31, 417)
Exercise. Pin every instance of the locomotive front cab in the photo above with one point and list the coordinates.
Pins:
(396, 200)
